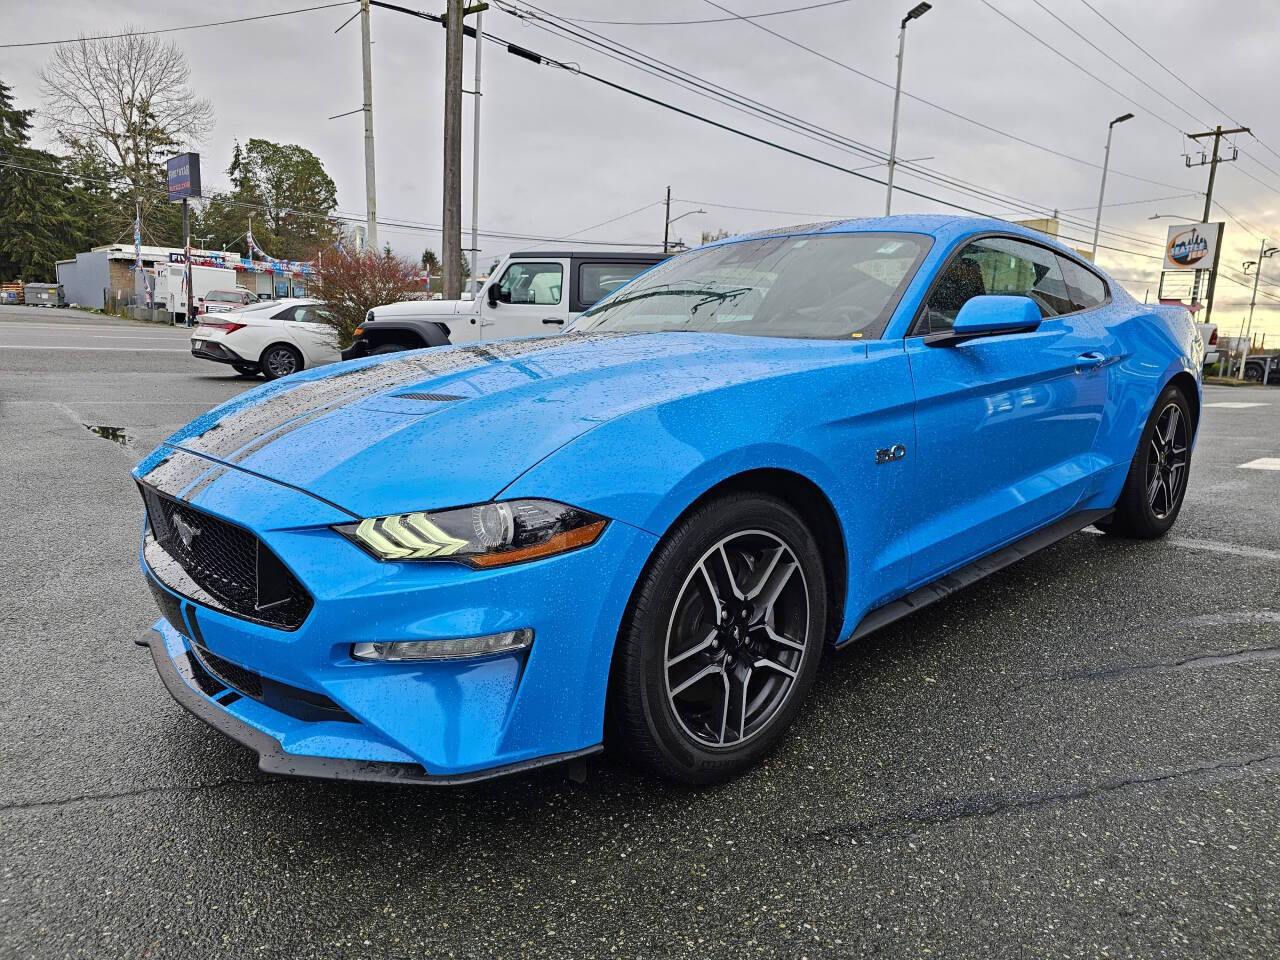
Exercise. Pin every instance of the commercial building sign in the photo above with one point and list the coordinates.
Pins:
(1192, 246)
(184, 175)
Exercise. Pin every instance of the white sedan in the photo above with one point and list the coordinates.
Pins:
(275, 338)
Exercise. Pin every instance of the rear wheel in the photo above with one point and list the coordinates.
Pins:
(1157, 481)
(722, 641)
(280, 360)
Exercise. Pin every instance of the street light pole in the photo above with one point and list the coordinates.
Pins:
(1106, 162)
(919, 10)
(1263, 252)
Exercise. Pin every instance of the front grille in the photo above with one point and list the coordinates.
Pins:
(230, 568)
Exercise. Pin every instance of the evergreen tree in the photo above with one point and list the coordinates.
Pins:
(37, 224)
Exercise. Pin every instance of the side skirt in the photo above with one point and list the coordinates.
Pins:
(971, 573)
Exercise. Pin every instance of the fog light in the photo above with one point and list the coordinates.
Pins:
(508, 641)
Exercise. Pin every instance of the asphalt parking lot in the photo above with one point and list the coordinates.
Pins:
(1077, 757)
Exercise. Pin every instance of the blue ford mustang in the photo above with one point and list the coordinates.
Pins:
(451, 563)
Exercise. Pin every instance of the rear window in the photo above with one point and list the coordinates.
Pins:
(597, 280)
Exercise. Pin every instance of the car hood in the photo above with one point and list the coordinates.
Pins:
(422, 308)
(455, 425)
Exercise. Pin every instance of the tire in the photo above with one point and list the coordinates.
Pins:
(246, 369)
(388, 348)
(280, 360)
(1149, 504)
(677, 681)
(1253, 373)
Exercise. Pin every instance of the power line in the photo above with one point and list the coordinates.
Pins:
(1172, 103)
(936, 106)
(1143, 50)
(674, 23)
(190, 26)
(338, 215)
(1048, 46)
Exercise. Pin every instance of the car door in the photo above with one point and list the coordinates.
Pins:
(1005, 424)
(311, 330)
(530, 298)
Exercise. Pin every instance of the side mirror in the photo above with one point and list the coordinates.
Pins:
(493, 294)
(990, 314)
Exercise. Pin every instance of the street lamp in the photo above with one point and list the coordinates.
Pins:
(1263, 252)
(667, 228)
(915, 13)
(1106, 160)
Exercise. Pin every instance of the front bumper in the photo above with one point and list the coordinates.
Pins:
(359, 348)
(422, 722)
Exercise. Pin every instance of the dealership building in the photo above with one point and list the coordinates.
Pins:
(104, 275)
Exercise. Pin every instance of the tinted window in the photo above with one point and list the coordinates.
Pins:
(597, 280)
(997, 265)
(840, 285)
(537, 283)
(1085, 287)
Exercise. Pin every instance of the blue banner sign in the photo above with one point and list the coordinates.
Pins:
(184, 175)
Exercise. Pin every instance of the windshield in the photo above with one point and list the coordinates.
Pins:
(842, 285)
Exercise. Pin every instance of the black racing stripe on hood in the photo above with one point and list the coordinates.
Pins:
(241, 432)
(177, 471)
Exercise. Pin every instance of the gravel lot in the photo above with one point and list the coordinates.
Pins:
(1077, 757)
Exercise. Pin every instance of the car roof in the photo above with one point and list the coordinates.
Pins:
(942, 227)
(613, 256)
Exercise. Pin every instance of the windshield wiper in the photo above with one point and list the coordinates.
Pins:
(718, 296)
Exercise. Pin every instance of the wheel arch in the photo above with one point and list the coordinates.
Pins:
(1186, 384)
(302, 357)
(413, 335)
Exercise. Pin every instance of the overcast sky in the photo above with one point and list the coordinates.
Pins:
(561, 152)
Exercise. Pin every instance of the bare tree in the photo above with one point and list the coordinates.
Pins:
(124, 103)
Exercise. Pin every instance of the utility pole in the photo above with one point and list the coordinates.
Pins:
(919, 10)
(666, 224)
(475, 161)
(370, 189)
(1217, 133)
(1106, 162)
(451, 255)
(1263, 252)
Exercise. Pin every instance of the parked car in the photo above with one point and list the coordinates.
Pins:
(525, 295)
(449, 564)
(217, 301)
(1262, 368)
(1209, 334)
(275, 339)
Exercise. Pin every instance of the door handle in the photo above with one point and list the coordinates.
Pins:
(559, 320)
(1089, 360)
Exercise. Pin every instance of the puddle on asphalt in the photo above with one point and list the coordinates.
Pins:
(114, 434)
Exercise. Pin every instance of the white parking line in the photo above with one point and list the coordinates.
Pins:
(112, 336)
(1262, 463)
(1236, 404)
(32, 346)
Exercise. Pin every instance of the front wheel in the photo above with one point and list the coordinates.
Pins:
(722, 641)
(280, 360)
(246, 369)
(1157, 481)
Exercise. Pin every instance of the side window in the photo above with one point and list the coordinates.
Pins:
(998, 265)
(285, 314)
(303, 314)
(1086, 289)
(597, 280)
(536, 283)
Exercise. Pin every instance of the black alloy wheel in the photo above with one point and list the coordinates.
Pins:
(1156, 484)
(722, 640)
(280, 360)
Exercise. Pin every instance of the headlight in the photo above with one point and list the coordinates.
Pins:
(484, 535)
